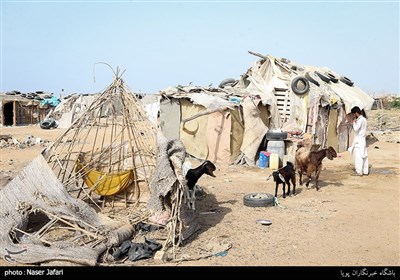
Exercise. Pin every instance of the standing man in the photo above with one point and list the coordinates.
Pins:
(359, 146)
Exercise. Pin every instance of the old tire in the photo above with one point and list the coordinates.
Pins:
(311, 79)
(47, 124)
(347, 81)
(323, 77)
(332, 77)
(226, 81)
(258, 200)
(271, 135)
(302, 89)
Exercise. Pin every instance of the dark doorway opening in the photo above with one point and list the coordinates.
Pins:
(8, 114)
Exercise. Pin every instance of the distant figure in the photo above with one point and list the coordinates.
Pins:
(359, 146)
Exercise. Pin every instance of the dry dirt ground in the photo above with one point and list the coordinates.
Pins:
(351, 221)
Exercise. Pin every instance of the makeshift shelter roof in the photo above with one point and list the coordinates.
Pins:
(276, 79)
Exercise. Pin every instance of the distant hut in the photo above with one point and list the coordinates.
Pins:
(22, 109)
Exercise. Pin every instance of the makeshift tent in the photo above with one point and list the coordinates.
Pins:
(309, 99)
(204, 119)
(273, 94)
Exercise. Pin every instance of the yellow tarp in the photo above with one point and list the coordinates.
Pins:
(105, 184)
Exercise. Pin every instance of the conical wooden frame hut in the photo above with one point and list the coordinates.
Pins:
(109, 153)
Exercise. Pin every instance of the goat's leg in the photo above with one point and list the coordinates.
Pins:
(317, 172)
(300, 176)
(308, 179)
(309, 172)
(284, 195)
(276, 189)
(294, 185)
(193, 198)
(288, 186)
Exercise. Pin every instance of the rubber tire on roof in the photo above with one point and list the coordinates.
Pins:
(323, 77)
(258, 200)
(47, 124)
(295, 88)
(347, 81)
(226, 81)
(271, 135)
(332, 77)
(311, 79)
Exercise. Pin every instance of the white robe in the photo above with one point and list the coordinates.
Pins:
(359, 146)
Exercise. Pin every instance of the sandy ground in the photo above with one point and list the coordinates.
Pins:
(351, 221)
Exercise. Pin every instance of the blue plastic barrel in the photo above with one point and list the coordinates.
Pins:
(263, 160)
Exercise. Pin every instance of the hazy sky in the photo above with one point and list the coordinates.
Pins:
(53, 45)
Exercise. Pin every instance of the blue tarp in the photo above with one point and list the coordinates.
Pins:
(53, 101)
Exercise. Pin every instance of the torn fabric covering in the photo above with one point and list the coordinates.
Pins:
(352, 96)
(210, 101)
(237, 130)
(332, 139)
(164, 177)
(170, 117)
(343, 129)
(254, 130)
(167, 188)
(193, 133)
(259, 86)
(218, 136)
(36, 189)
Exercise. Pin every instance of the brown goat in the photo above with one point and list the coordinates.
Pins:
(311, 161)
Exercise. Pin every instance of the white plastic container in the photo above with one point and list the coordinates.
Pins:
(274, 161)
(277, 147)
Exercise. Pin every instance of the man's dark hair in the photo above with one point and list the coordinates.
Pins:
(357, 109)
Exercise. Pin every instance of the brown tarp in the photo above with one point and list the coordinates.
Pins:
(193, 133)
(218, 136)
(237, 130)
(333, 140)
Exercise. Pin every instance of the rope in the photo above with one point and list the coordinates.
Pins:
(276, 203)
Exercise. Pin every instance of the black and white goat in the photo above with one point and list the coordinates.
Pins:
(193, 175)
(283, 176)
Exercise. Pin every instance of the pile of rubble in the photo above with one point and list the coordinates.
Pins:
(8, 141)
